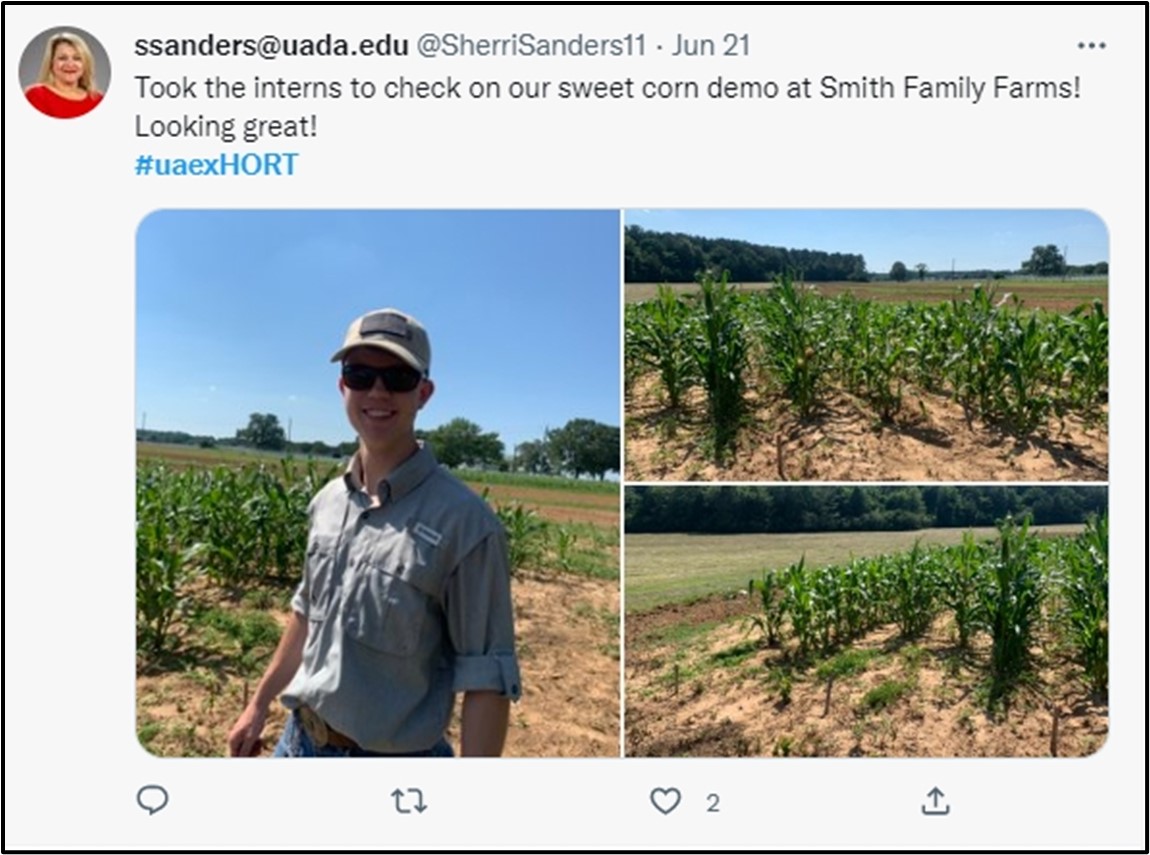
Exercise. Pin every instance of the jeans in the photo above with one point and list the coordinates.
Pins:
(295, 742)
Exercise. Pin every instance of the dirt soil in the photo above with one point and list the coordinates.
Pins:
(722, 695)
(568, 643)
(929, 440)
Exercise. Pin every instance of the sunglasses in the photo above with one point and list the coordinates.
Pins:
(396, 378)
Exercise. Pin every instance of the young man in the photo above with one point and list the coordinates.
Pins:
(406, 596)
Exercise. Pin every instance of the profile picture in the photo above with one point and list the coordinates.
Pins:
(64, 72)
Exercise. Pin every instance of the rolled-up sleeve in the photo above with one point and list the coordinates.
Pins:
(480, 622)
(299, 599)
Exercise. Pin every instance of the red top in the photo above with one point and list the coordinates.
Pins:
(51, 104)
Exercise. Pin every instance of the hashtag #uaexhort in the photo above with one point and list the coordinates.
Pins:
(251, 163)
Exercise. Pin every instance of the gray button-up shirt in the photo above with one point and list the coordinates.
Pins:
(407, 603)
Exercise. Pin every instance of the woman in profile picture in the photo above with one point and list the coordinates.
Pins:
(66, 86)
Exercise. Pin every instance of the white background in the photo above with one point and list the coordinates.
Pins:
(71, 760)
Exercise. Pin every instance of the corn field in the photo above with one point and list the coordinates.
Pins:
(1021, 593)
(224, 526)
(239, 528)
(1017, 368)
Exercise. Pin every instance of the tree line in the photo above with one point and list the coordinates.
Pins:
(778, 509)
(1044, 261)
(650, 256)
(581, 447)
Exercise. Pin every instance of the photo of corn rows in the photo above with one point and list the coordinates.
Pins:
(939, 641)
(746, 378)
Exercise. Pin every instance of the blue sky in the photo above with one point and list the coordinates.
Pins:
(239, 312)
(973, 239)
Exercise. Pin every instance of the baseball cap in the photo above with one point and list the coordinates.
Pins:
(391, 330)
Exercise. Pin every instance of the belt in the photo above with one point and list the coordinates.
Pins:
(323, 734)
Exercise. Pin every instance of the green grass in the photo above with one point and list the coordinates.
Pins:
(595, 564)
(680, 672)
(688, 661)
(253, 635)
(148, 731)
(913, 656)
(884, 694)
(678, 633)
(679, 568)
(583, 549)
(268, 598)
(845, 664)
(734, 655)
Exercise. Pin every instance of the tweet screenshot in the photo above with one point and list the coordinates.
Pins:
(575, 427)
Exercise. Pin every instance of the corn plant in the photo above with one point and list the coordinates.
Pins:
(1024, 402)
(277, 511)
(165, 560)
(826, 595)
(1011, 606)
(853, 601)
(526, 532)
(1088, 364)
(931, 329)
(795, 341)
(884, 355)
(563, 542)
(657, 336)
(973, 370)
(847, 318)
(770, 590)
(223, 515)
(799, 604)
(1088, 602)
(914, 583)
(878, 581)
(960, 587)
(719, 352)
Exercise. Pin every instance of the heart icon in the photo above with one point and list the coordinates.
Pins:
(665, 799)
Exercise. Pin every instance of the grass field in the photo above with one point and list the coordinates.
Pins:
(677, 568)
(1055, 294)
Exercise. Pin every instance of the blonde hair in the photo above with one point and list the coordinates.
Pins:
(47, 77)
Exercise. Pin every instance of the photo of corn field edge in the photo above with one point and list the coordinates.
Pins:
(863, 621)
(220, 537)
(939, 378)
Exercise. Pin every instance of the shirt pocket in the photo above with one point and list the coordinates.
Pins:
(320, 569)
(388, 610)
